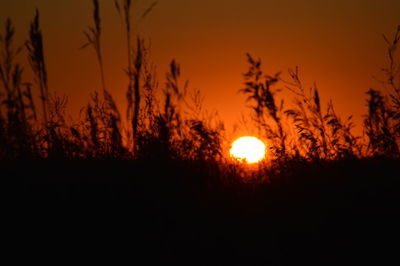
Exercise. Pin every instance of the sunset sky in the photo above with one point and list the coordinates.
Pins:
(336, 43)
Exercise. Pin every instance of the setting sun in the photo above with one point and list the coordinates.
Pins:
(247, 148)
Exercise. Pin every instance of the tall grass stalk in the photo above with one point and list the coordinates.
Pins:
(37, 62)
(93, 37)
(136, 62)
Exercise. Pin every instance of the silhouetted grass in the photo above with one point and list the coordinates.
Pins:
(172, 129)
(35, 48)
(259, 86)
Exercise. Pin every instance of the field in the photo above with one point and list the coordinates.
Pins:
(158, 186)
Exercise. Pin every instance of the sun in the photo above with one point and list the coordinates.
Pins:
(250, 149)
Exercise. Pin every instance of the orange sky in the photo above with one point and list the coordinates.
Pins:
(336, 43)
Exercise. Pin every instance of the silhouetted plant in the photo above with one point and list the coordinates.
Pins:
(321, 136)
(176, 131)
(103, 117)
(93, 36)
(150, 86)
(37, 62)
(133, 112)
(343, 143)
(393, 79)
(133, 71)
(103, 124)
(205, 141)
(136, 63)
(16, 137)
(57, 134)
(382, 123)
(125, 13)
(307, 118)
(379, 125)
(260, 90)
(168, 122)
(392, 71)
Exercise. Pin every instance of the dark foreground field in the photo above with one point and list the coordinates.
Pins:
(168, 213)
(169, 196)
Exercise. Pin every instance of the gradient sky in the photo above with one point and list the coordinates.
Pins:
(336, 43)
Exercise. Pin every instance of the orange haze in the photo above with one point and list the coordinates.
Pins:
(336, 43)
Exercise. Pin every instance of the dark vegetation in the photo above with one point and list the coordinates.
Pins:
(161, 188)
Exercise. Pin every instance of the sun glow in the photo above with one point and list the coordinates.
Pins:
(250, 149)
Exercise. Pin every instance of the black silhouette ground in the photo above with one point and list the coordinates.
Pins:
(168, 213)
